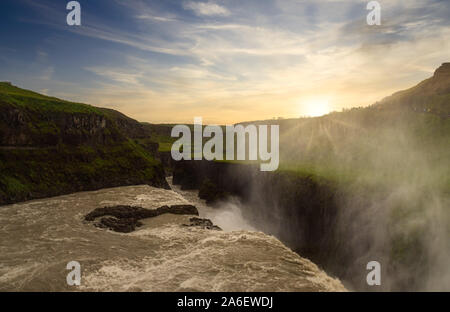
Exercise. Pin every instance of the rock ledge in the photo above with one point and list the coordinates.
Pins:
(125, 219)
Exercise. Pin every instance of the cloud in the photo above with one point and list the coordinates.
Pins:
(117, 75)
(206, 8)
(47, 73)
(156, 18)
(269, 56)
(42, 56)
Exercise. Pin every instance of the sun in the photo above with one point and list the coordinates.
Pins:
(316, 107)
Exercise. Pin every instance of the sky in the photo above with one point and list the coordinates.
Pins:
(227, 61)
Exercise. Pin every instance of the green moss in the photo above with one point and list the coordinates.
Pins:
(13, 186)
(63, 160)
(164, 147)
(53, 171)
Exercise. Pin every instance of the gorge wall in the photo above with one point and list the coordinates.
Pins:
(339, 228)
(50, 147)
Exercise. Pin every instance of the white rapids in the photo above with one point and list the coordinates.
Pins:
(38, 238)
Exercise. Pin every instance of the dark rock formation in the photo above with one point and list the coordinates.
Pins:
(210, 192)
(152, 148)
(167, 161)
(178, 209)
(126, 218)
(132, 128)
(125, 225)
(203, 223)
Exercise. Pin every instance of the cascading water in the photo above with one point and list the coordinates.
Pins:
(39, 238)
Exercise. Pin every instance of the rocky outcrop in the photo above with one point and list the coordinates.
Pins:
(27, 127)
(443, 71)
(211, 193)
(125, 225)
(132, 128)
(205, 224)
(167, 161)
(429, 96)
(125, 219)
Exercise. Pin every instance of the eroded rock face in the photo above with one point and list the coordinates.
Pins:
(125, 219)
(125, 225)
(210, 192)
(203, 223)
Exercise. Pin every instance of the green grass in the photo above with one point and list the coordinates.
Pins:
(318, 173)
(31, 100)
(164, 147)
(58, 159)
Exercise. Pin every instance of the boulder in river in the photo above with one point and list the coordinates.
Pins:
(203, 223)
(125, 225)
(125, 219)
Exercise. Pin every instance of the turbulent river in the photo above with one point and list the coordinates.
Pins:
(38, 238)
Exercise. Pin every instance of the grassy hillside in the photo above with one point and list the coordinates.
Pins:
(405, 136)
(50, 146)
(430, 96)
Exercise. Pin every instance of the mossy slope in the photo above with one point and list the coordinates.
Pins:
(50, 146)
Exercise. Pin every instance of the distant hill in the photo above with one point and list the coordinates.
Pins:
(404, 135)
(49, 146)
(431, 95)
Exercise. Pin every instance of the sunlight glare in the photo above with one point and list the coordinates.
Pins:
(316, 107)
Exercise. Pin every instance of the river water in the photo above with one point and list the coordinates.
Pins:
(38, 238)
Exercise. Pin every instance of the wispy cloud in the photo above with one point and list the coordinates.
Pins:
(266, 59)
(47, 73)
(117, 75)
(206, 8)
(155, 18)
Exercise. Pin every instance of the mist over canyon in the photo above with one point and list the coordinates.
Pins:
(365, 184)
